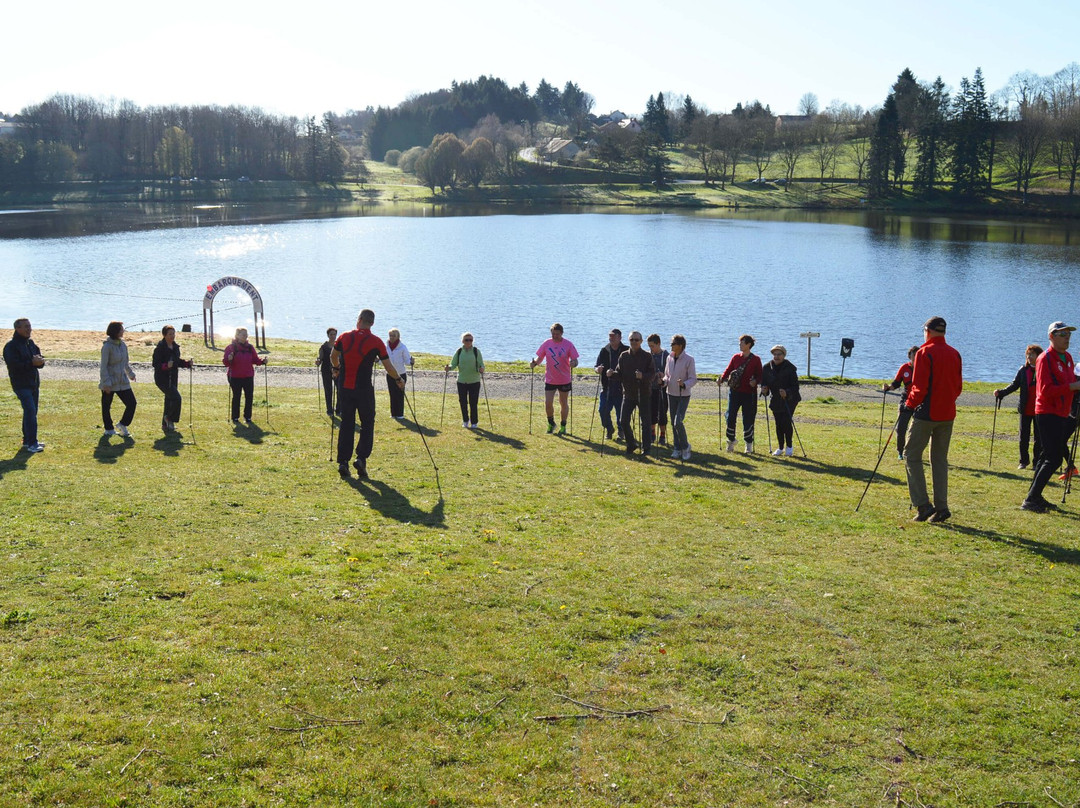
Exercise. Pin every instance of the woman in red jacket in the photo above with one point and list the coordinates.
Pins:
(742, 375)
(241, 358)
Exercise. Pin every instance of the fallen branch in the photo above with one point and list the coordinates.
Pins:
(1046, 791)
(620, 713)
(572, 717)
(908, 749)
(322, 722)
(124, 767)
(529, 588)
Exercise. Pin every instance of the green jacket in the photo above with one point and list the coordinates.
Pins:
(468, 364)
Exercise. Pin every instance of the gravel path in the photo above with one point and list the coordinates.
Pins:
(499, 385)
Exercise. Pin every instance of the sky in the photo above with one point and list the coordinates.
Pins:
(317, 56)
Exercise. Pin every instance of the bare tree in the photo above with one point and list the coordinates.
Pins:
(826, 142)
(790, 141)
(808, 105)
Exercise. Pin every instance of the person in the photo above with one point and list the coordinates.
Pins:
(23, 358)
(680, 375)
(469, 363)
(116, 379)
(561, 357)
(1025, 383)
(635, 371)
(241, 358)
(167, 364)
(780, 379)
(936, 382)
(742, 375)
(322, 362)
(1055, 387)
(610, 392)
(903, 415)
(353, 357)
(658, 398)
(400, 358)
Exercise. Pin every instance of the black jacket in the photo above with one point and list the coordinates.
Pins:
(19, 356)
(1022, 383)
(635, 389)
(782, 377)
(164, 375)
(607, 360)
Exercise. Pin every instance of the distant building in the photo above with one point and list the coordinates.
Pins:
(560, 149)
(7, 128)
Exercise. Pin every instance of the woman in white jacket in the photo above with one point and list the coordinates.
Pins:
(402, 360)
(680, 374)
(116, 379)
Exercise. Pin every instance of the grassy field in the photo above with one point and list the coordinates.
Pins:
(223, 621)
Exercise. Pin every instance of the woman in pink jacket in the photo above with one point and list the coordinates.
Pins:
(241, 358)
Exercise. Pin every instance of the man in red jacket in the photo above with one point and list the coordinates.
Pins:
(1055, 384)
(936, 382)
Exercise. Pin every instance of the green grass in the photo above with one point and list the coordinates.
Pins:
(227, 623)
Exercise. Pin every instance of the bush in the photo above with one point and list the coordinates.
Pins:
(392, 157)
(407, 161)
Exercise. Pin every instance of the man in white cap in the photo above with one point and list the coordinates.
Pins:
(1055, 385)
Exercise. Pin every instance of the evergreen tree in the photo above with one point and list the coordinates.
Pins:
(656, 121)
(933, 109)
(969, 137)
(884, 145)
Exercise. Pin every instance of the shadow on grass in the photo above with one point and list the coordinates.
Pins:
(253, 434)
(107, 452)
(17, 463)
(426, 431)
(1051, 552)
(850, 472)
(495, 437)
(170, 445)
(392, 504)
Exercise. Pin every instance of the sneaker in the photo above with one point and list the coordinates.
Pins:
(123, 430)
(236, 421)
(686, 453)
(778, 452)
(731, 446)
(790, 451)
(343, 470)
(34, 448)
(249, 422)
(924, 513)
(1022, 466)
(110, 432)
(750, 447)
(1032, 505)
(330, 413)
(562, 429)
(610, 434)
(900, 456)
(676, 454)
(361, 468)
(465, 424)
(551, 428)
(473, 426)
(620, 438)
(166, 425)
(940, 515)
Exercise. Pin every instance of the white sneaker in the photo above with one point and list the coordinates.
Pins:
(465, 424)
(777, 452)
(750, 447)
(731, 446)
(790, 451)
(34, 448)
(123, 430)
(473, 426)
(110, 432)
(686, 453)
(676, 454)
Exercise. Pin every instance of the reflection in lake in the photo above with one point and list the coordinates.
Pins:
(507, 275)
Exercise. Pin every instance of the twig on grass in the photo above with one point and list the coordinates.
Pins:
(571, 717)
(723, 720)
(37, 754)
(1046, 791)
(908, 749)
(139, 755)
(529, 588)
(321, 722)
(619, 713)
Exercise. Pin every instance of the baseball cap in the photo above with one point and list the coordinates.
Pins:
(935, 324)
(1059, 326)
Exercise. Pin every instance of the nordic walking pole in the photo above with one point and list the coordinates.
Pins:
(266, 395)
(874, 472)
(596, 406)
(421, 431)
(487, 403)
(318, 385)
(571, 404)
(532, 370)
(993, 433)
(881, 427)
(442, 412)
(768, 426)
(1071, 459)
(791, 417)
(191, 401)
(412, 377)
(719, 407)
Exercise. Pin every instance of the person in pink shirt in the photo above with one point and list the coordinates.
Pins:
(561, 357)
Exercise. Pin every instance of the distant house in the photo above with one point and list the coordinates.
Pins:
(793, 121)
(617, 116)
(560, 149)
(630, 125)
(7, 128)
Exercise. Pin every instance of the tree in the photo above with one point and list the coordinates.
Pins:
(477, 161)
(930, 138)
(808, 105)
(762, 146)
(548, 101)
(655, 121)
(690, 114)
(647, 151)
(884, 146)
(969, 132)
(1029, 129)
(825, 144)
(173, 154)
(444, 156)
(609, 151)
(790, 142)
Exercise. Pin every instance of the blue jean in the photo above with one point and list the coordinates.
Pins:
(677, 413)
(28, 397)
(611, 399)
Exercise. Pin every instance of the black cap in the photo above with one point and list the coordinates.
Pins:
(935, 324)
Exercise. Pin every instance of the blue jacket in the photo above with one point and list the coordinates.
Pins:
(19, 356)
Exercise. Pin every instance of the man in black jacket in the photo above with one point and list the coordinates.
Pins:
(635, 370)
(611, 394)
(23, 360)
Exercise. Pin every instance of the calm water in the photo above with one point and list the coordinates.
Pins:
(507, 277)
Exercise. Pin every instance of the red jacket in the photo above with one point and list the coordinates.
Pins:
(751, 372)
(1053, 375)
(240, 358)
(936, 381)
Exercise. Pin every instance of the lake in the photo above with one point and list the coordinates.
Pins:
(506, 276)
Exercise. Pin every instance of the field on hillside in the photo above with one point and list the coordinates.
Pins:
(217, 619)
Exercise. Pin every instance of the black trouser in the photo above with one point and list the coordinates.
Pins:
(785, 426)
(469, 399)
(903, 418)
(126, 396)
(397, 396)
(1026, 422)
(356, 402)
(248, 387)
(1054, 432)
(173, 401)
(629, 404)
(328, 389)
(658, 406)
(748, 403)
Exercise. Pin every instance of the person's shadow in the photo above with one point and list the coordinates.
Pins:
(108, 452)
(495, 437)
(170, 445)
(394, 505)
(17, 463)
(252, 434)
